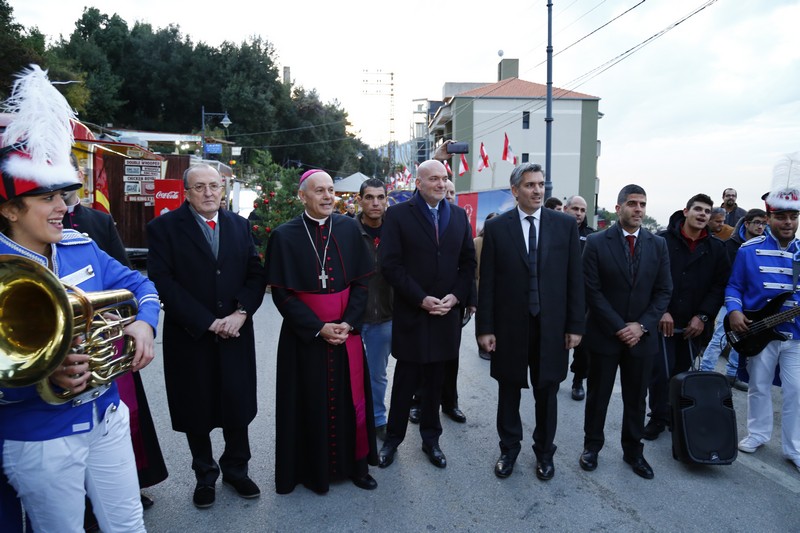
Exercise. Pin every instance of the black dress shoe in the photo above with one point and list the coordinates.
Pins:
(588, 460)
(545, 470)
(456, 415)
(367, 482)
(386, 455)
(640, 466)
(244, 487)
(435, 455)
(147, 501)
(653, 429)
(578, 393)
(414, 415)
(204, 496)
(505, 465)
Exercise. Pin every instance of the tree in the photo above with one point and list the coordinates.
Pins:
(610, 217)
(18, 47)
(278, 201)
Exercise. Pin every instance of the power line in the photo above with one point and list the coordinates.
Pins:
(299, 128)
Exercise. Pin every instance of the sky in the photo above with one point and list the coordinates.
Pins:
(712, 103)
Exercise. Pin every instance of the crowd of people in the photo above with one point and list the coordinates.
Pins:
(353, 290)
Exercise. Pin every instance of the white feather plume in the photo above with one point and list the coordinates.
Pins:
(785, 191)
(41, 127)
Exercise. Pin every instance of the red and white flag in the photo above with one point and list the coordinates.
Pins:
(447, 167)
(464, 167)
(508, 155)
(406, 176)
(484, 159)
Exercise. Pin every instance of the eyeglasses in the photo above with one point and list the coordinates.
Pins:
(201, 187)
(757, 223)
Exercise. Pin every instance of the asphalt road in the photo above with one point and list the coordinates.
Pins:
(757, 493)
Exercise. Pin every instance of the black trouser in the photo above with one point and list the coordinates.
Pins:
(634, 373)
(233, 461)
(509, 423)
(404, 384)
(449, 387)
(580, 363)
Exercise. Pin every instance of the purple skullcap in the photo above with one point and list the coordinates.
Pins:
(308, 173)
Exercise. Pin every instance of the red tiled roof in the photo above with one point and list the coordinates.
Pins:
(517, 88)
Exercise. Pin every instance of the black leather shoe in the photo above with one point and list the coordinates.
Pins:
(147, 501)
(435, 455)
(588, 460)
(244, 487)
(380, 432)
(414, 415)
(653, 429)
(367, 482)
(640, 466)
(204, 496)
(578, 393)
(386, 455)
(456, 415)
(545, 470)
(505, 465)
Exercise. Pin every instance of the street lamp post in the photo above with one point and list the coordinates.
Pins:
(225, 122)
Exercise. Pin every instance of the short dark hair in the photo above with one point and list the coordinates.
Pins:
(552, 202)
(516, 174)
(627, 191)
(753, 213)
(372, 182)
(701, 198)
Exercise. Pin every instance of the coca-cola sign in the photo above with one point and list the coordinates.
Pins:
(167, 195)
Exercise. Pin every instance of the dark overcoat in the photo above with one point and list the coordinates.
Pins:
(210, 381)
(503, 298)
(417, 265)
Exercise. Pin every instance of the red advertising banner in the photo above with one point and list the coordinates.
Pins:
(469, 201)
(168, 195)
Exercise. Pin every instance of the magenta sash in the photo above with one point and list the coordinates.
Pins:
(330, 308)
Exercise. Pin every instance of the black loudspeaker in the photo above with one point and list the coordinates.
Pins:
(703, 419)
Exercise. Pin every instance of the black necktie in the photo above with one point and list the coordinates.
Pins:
(435, 215)
(533, 280)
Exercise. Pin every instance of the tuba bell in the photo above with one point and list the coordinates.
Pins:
(42, 320)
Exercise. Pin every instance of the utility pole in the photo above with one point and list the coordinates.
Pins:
(548, 119)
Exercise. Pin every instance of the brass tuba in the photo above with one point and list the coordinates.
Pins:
(41, 322)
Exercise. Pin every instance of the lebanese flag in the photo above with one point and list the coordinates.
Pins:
(484, 159)
(508, 155)
(406, 175)
(447, 167)
(464, 167)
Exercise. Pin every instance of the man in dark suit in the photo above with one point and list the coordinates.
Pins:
(428, 256)
(628, 288)
(210, 281)
(530, 331)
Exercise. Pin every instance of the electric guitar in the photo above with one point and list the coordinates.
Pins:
(762, 330)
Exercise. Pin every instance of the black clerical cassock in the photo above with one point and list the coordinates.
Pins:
(318, 274)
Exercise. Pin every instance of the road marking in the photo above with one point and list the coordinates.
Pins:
(789, 482)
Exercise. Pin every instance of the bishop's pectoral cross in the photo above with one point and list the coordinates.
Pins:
(323, 277)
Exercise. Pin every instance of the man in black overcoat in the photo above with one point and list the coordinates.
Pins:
(531, 313)
(628, 288)
(210, 281)
(428, 256)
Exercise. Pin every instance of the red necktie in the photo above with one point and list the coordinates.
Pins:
(211, 224)
(631, 243)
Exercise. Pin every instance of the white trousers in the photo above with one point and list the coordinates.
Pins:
(52, 477)
(759, 397)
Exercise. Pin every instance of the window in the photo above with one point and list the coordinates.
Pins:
(526, 120)
(524, 157)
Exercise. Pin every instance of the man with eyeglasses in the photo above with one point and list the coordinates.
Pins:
(210, 281)
(749, 227)
(732, 210)
(765, 268)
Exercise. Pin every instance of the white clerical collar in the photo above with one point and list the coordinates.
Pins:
(319, 221)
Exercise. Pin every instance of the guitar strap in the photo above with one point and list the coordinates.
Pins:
(795, 269)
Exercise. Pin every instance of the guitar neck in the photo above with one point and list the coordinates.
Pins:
(780, 318)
